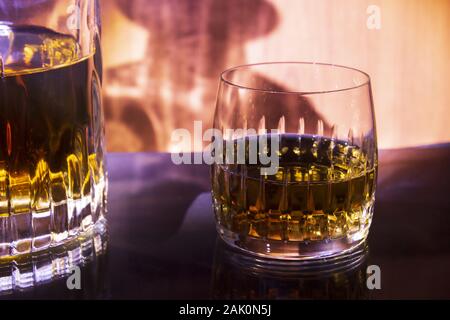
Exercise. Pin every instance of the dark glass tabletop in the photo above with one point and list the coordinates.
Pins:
(162, 241)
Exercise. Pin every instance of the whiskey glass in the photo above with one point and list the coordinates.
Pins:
(52, 169)
(318, 124)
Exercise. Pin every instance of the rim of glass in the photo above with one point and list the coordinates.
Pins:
(356, 86)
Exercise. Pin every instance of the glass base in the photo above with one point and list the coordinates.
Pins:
(290, 250)
(28, 270)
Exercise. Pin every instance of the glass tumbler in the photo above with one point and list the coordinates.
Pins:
(52, 168)
(295, 159)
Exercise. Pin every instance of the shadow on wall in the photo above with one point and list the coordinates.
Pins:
(163, 60)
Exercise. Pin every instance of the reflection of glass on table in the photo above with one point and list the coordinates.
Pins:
(239, 276)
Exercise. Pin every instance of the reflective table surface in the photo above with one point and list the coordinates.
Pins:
(162, 241)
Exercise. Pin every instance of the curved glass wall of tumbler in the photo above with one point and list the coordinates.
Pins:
(52, 169)
(319, 201)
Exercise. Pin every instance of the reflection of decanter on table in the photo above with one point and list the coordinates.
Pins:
(240, 276)
(49, 274)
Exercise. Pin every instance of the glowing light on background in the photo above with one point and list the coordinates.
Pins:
(179, 55)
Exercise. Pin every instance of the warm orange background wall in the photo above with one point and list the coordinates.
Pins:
(163, 58)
